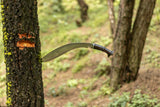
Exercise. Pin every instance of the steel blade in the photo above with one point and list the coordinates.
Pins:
(63, 49)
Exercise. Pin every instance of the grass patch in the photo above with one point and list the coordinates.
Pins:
(80, 65)
(138, 100)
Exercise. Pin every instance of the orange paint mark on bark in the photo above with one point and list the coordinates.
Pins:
(25, 43)
(25, 35)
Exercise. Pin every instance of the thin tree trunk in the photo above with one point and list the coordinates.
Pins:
(120, 42)
(83, 9)
(111, 16)
(22, 53)
(139, 33)
(128, 46)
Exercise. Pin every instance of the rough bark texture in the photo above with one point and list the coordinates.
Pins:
(128, 46)
(120, 41)
(83, 9)
(22, 53)
(111, 15)
(138, 35)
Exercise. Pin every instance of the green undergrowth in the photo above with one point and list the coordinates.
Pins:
(103, 67)
(138, 100)
(80, 64)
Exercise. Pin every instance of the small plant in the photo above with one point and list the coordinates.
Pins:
(83, 93)
(105, 90)
(105, 41)
(138, 100)
(69, 104)
(120, 101)
(72, 83)
(90, 84)
(52, 91)
(103, 67)
(62, 89)
(142, 100)
(94, 95)
(81, 53)
(57, 92)
(82, 104)
(82, 81)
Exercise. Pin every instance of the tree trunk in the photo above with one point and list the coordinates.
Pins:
(138, 36)
(120, 42)
(128, 46)
(22, 53)
(111, 15)
(83, 9)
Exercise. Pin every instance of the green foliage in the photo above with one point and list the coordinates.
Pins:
(2, 78)
(69, 104)
(70, 5)
(153, 58)
(102, 40)
(52, 92)
(82, 104)
(90, 83)
(81, 53)
(105, 90)
(80, 65)
(95, 21)
(60, 91)
(105, 40)
(54, 5)
(57, 66)
(103, 67)
(72, 38)
(120, 101)
(94, 95)
(82, 81)
(83, 93)
(75, 82)
(142, 100)
(72, 83)
(138, 100)
(1, 42)
(1, 48)
(75, 38)
(57, 6)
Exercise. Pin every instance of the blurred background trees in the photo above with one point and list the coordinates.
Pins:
(111, 15)
(84, 10)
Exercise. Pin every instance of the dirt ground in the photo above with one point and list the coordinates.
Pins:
(148, 80)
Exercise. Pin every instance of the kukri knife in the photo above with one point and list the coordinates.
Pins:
(65, 48)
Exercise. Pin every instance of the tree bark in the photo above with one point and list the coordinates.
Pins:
(129, 43)
(22, 53)
(111, 16)
(120, 42)
(138, 36)
(83, 9)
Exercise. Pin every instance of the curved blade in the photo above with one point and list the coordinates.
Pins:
(63, 49)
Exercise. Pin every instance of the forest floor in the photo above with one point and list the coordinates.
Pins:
(80, 77)
(87, 86)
